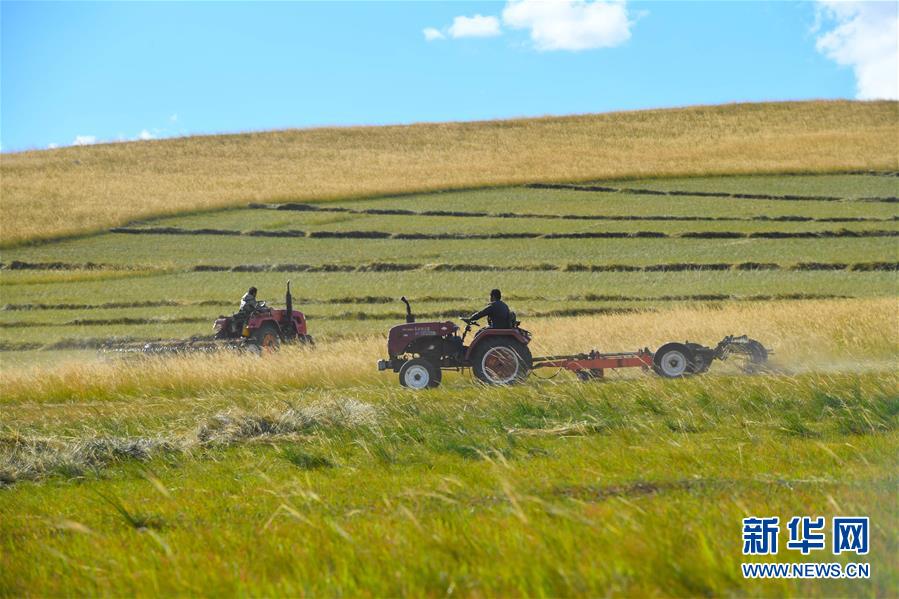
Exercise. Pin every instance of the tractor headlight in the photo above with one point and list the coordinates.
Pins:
(246, 331)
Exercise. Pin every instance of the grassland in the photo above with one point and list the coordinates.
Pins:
(623, 489)
(161, 472)
(310, 473)
(78, 190)
(79, 293)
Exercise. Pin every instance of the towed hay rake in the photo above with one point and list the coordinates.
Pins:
(419, 352)
(672, 360)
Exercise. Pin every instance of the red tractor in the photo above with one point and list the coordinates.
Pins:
(263, 331)
(265, 328)
(420, 351)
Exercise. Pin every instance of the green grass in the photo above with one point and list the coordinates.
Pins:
(573, 201)
(183, 252)
(841, 186)
(340, 287)
(271, 220)
(548, 489)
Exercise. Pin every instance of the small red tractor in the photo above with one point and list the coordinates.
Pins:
(419, 352)
(266, 328)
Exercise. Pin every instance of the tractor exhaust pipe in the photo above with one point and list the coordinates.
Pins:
(287, 325)
(409, 317)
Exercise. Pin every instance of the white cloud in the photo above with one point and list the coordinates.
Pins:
(476, 26)
(570, 24)
(432, 34)
(145, 135)
(52, 146)
(84, 140)
(864, 37)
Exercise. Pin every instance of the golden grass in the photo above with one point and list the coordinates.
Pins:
(821, 336)
(55, 193)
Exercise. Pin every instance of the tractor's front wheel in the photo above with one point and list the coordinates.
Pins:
(501, 362)
(267, 337)
(419, 374)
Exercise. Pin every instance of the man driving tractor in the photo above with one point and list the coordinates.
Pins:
(248, 305)
(497, 312)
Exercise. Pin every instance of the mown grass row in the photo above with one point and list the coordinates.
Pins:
(74, 287)
(367, 235)
(129, 250)
(16, 265)
(709, 194)
(329, 208)
(847, 185)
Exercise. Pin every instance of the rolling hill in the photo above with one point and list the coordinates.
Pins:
(77, 190)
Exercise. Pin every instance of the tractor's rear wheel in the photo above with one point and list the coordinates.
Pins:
(673, 360)
(267, 337)
(501, 362)
(419, 374)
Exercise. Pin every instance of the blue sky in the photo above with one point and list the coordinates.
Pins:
(121, 71)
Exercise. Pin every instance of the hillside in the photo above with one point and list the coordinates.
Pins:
(571, 250)
(70, 191)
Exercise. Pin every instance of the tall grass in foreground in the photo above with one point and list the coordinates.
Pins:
(467, 421)
(829, 335)
(633, 488)
(83, 189)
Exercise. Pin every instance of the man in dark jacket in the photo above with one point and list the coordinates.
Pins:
(497, 312)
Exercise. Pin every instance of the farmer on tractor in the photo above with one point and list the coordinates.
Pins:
(248, 305)
(497, 312)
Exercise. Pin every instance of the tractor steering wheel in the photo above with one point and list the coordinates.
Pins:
(469, 321)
